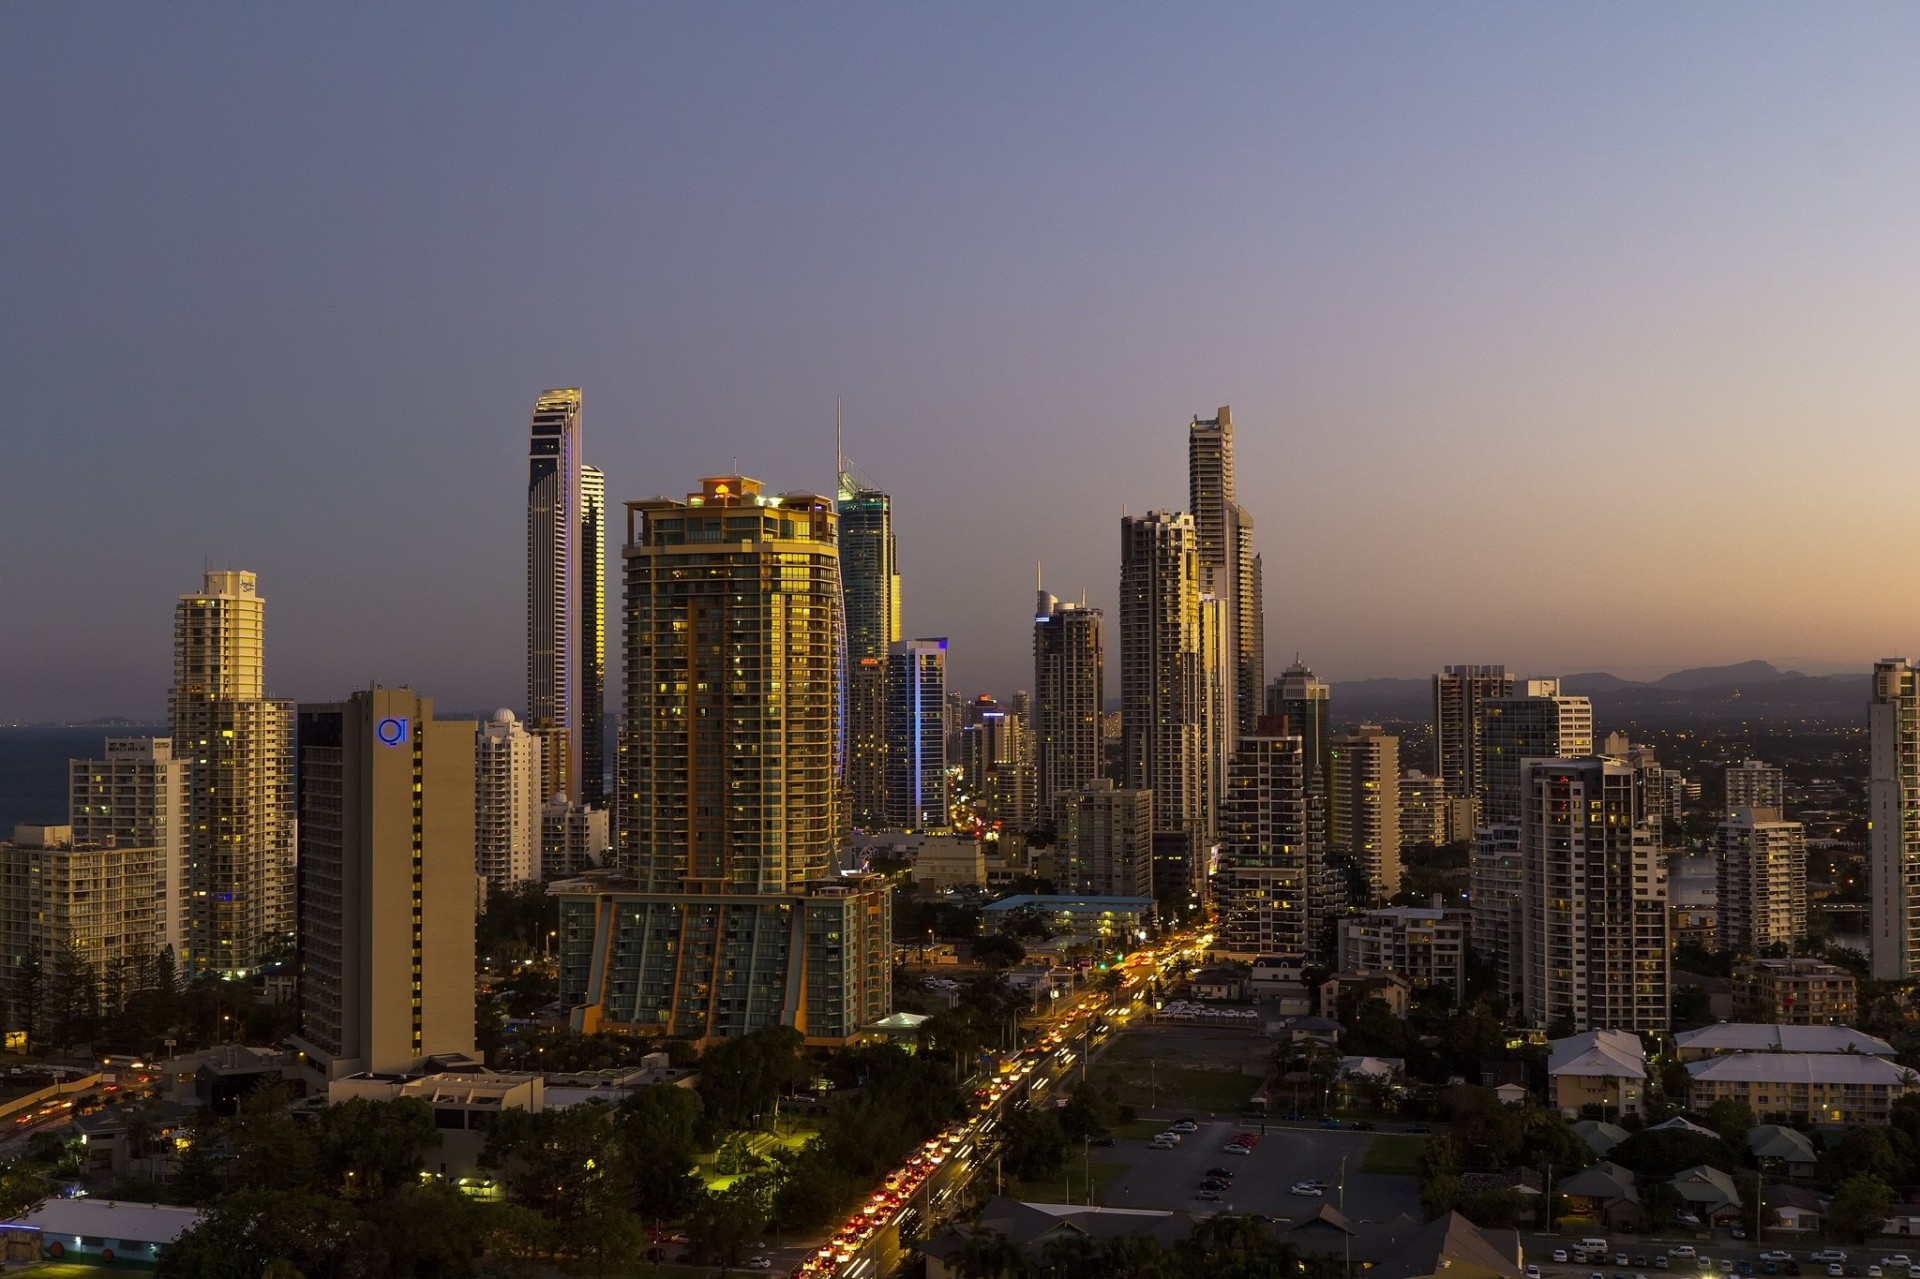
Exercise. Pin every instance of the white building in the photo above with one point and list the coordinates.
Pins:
(1762, 873)
(137, 798)
(506, 802)
(1753, 784)
(1893, 809)
(1425, 944)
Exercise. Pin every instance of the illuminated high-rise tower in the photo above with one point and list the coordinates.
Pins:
(238, 745)
(1893, 810)
(917, 735)
(1069, 692)
(566, 601)
(870, 582)
(1229, 568)
(1460, 694)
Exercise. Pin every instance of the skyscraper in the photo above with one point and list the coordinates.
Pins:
(997, 759)
(1272, 840)
(1459, 693)
(1069, 691)
(870, 582)
(1595, 953)
(507, 802)
(1364, 826)
(386, 884)
(1536, 721)
(917, 735)
(1761, 866)
(238, 745)
(566, 601)
(1753, 784)
(137, 798)
(731, 915)
(1306, 703)
(1229, 568)
(1171, 689)
(1106, 840)
(1893, 812)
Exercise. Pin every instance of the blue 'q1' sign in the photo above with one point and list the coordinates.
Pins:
(391, 732)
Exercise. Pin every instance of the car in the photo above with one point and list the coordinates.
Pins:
(1640, 1262)
(1210, 1196)
(1680, 1250)
(1233, 1148)
(1660, 1261)
(1776, 1254)
(1744, 1266)
(1913, 1272)
(1419, 1127)
(1171, 1136)
(1306, 1189)
(1726, 1265)
(1738, 1232)
(1220, 1172)
(1874, 1272)
(1213, 1183)
(760, 1263)
(1363, 1125)
(1853, 1270)
(1596, 1275)
(1793, 1268)
(1620, 1259)
(1835, 1270)
(1331, 1122)
(1533, 1272)
(1899, 1259)
(1185, 1125)
(1829, 1255)
(1769, 1267)
(1560, 1256)
(1103, 1141)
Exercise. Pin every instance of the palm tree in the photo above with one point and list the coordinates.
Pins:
(1071, 1256)
(988, 1254)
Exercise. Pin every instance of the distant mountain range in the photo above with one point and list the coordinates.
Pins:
(1745, 690)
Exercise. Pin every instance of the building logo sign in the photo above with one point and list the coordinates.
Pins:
(391, 732)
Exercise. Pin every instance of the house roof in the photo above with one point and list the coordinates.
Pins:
(133, 1222)
(1601, 1137)
(1780, 1195)
(1027, 1225)
(1326, 1217)
(1706, 1185)
(1602, 1181)
(1758, 1037)
(1802, 1068)
(1371, 1067)
(1771, 1141)
(1680, 1123)
(1611, 1054)
(1455, 1246)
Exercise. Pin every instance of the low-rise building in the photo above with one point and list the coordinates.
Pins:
(1094, 916)
(1426, 943)
(949, 861)
(1605, 1194)
(1363, 984)
(1796, 992)
(1802, 1088)
(1783, 1152)
(1709, 1194)
(1606, 1069)
(1729, 1037)
(1220, 982)
(106, 1231)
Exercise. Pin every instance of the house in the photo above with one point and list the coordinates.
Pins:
(1453, 1247)
(1794, 1208)
(1221, 983)
(1710, 1194)
(1606, 1069)
(1680, 1123)
(1604, 1194)
(1601, 1137)
(1782, 1151)
(106, 1230)
(1030, 1226)
(1511, 1094)
(1301, 1031)
(1358, 1074)
(1363, 984)
(1759, 1037)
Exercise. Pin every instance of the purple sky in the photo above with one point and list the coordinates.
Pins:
(1570, 337)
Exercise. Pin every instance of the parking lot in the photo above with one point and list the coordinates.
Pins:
(1171, 1179)
(1726, 1259)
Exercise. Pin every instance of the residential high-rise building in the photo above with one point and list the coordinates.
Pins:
(386, 894)
(1753, 784)
(997, 760)
(729, 914)
(1535, 721)
(573, 839)
(100, 901)
(1306, 703)
(238, 747)
(1595, 951)
(870, 581)
(1425, 944)
(1230, 570)
(1069, 687)
(1497, 891)
(1272, 850)
(917, 735)
(1364, 786)
(1459, 693)
(1423, 811)
(137, 798)
(507, 802)
(1171, 689)
(593, 638)
(1106, 840)
(555, 573)
(1893, 813)
(1761, 865)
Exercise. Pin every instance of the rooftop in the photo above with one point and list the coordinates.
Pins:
(1801, 1068)
(1604, 1053)
(1757, 1037)
(1039, 901)
(135, 1222)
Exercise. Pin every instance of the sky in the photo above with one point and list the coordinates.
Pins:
(1574, 337)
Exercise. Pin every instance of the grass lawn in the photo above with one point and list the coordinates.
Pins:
(1394, 1155)
(62, 1270)
(1074, 1180)
(1179, 1071)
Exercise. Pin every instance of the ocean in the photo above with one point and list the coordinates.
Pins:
(33, 768)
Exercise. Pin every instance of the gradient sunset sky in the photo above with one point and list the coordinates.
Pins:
(1574, 337)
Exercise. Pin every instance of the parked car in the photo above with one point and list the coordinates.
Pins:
(1330, 1122)
(1681, 1250)
(1419, 1127)
(1560, 1256)
(1660, 1262)
(1209, 1196)
(1306, 1188)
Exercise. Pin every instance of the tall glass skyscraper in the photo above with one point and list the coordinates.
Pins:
(566, 601)
(870, 583)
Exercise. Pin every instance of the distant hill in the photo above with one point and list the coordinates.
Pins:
(1745, 690)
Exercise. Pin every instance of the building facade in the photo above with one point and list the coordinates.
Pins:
(1761, 867)
(917, 735)
(1459, 697)
(1069, 693)
(1230, 569)
(386, 896)
(1893, 811)
(101, 902)
(1106, 838)
(996, 757)
(1594, 945)
(238, 747)
(1364, 816)
(561, 627)
(506, 802)
(1753, 784)
(1535, 722)
(1427, 944)
(1795, 992)
(137, 797)
(870, 581)
(725, 911)
(1275, 891)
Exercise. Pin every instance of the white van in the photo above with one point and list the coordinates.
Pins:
(1593, 1245)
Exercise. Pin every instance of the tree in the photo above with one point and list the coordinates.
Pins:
(657, 1129)
(1661, 1201)
(999, 951)
(73, 998)
(372, 1148)
(1659, 1154)
(1867, 1151)
(1441, 1193)
(1032, 1146)
(1860, 1207)
(1732, 1118)
(724, 1223)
